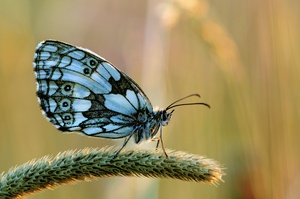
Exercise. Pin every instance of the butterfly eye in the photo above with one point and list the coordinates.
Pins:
(164, 116)
(91, 62)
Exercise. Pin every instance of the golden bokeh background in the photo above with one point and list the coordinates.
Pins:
(241, 56)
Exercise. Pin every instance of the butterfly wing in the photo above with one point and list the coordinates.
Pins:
(80, 91)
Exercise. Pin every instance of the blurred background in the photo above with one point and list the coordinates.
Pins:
(242, 57)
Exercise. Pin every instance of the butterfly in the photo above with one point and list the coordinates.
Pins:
(79, 91)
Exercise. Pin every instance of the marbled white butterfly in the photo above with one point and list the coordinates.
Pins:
(80, 91)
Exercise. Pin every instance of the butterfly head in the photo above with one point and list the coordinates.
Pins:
(164, 117)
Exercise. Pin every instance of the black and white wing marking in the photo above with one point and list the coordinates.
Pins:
(80, 91)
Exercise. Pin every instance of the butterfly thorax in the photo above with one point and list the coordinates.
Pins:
(149, 123)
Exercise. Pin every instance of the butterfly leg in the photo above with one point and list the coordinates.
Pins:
(157, 144)
(162, 143)
(124, 144)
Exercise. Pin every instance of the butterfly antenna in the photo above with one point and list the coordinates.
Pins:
(188, 104)
(191, 95)
(173, 105)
